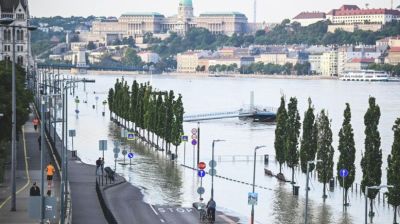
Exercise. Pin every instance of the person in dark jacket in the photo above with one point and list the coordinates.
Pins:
(211, 205)
(35, 190)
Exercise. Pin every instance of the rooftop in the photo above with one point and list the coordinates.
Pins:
(10, 5)
(310, 15)
(143, 14)
(222, 14)
(349, 10)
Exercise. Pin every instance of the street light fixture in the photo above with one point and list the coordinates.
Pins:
(212, 158)
(6, 22)
(366, 196)
(254, 178)
(307, 181)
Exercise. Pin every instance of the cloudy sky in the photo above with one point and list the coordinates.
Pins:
(267, 10)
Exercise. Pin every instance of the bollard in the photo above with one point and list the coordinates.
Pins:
(266, 159)
(73, 153)
(93, 106)
(103, 113)
(332, 184)
(296, 190)
(172, 156)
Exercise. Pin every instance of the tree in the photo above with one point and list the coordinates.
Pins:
(393, 177)
(292, 135)
(347, 152)
(324, 150)
(308, 146)
(280, 134)
(371, 162)
(131, 58)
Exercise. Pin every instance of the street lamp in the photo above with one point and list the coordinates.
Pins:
(6, 22)
(254, 179)
(212, 158)
(308, 167)
(366, 196)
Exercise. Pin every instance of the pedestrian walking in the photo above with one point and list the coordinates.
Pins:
(35, 123)
(211, 205)
(98, 166)
(102, 165)
(40, 142)
(35, 190)
(50, 173)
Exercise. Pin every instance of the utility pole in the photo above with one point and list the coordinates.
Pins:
(255, 12)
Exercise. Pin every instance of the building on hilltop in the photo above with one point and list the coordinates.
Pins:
(136, 24)
(17, 10)
(308, 18)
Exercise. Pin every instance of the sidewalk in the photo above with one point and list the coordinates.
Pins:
(27, 171)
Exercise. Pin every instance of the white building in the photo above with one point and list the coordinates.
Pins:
(149, 57)
(329, 62)
(17, 10)
(308, 18)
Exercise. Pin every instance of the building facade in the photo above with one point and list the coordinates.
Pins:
(17, 10)
(308, 18)
(136, 24)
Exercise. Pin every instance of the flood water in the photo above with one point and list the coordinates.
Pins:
(166, 182)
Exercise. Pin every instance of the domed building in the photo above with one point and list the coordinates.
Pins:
(136, 24)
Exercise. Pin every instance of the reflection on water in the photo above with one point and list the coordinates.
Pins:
(285, 206)
(151, 171)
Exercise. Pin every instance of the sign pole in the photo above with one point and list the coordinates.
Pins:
(194, 156)
(184, 153)
(198, 142)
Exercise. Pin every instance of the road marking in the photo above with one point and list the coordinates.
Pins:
(26, 171)
(151, 206)
(226, 219)
(162, 220)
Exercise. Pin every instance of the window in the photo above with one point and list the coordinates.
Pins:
(7, 35)
(20, 35)
(20, 16)
(7, 48)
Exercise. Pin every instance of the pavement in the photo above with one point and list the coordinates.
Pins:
(27, 171)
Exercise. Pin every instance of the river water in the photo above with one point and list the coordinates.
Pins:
(166, 182)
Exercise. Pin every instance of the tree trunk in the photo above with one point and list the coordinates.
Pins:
(158, 137)
(395, 215)
(280, 167)
(292, 174)
(371, 207)
(324, 192)
(345, 197)
(152, 139)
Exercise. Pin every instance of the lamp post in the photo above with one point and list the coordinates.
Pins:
(366, 196)
(212, 176)
(6, 22)
(254, 178)
(307, 180)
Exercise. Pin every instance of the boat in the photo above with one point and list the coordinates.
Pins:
(365, 75)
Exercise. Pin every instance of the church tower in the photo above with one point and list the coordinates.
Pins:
(185, 10)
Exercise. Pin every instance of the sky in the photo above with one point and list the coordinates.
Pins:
(267, 10)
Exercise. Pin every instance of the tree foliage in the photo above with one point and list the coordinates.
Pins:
(393, 177)
(325, 150)
(371, 162)
(347, 151)
(308, 147)
(293, 131)
(280, 134)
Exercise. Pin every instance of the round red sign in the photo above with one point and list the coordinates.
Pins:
(201, 165)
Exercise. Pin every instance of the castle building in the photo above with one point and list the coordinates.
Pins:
(136, 24)
(17, 10)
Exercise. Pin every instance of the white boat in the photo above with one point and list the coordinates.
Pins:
(365, 75)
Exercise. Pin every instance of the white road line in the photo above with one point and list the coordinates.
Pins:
(151, 206)
(226, 219)
(162, 220)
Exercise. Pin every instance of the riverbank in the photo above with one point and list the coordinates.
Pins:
(199, 75)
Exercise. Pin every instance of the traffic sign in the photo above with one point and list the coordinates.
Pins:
(200, 190)
(72, 133)
(344, 172)
(102, 145)
(201, 165)
(115, 155)
(116, 150)
(124, 152)
(252, 198)
(130, 155)
(194, 131)
(201, 173)
(212, 172)
(131, 136)
(185, 138)
(194, 142)
(194, 136)
(212, 163)
(116, 143)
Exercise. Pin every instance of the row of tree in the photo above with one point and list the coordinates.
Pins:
(261, 68)
(156, 112)
(316, 143)
(22, 107)
(391, 69)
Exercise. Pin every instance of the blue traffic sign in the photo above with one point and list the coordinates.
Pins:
(194, 142)
(130, 155)
(344, 172)
(201, 173)
(185, 138)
